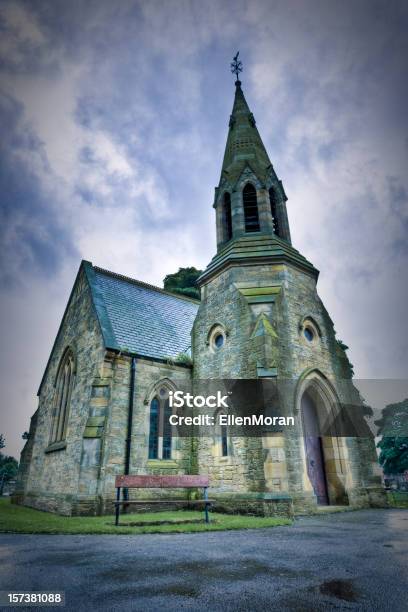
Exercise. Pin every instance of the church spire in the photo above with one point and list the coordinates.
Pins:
(249, 198)
(244, 143)
(250, 205)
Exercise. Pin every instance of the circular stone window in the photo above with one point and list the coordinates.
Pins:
(217, 338)
(309, 331)
(308, 334)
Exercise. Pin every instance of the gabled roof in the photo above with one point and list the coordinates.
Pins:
(138, 318)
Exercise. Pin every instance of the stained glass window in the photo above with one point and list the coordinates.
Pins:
(63, 388)
(166, 431)
(160, 429)
(154, 429)
(224, 441)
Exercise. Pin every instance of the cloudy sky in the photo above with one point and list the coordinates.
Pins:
(114, 118)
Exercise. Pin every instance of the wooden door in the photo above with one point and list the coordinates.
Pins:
(314, 451)
(315, 468)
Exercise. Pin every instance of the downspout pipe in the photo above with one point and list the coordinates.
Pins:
(129, 423)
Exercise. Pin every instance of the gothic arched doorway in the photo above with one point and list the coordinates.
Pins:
(315, 462)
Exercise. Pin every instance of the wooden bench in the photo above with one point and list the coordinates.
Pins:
(162, 482)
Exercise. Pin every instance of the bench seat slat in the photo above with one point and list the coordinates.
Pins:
(164, 501)
(184, 481)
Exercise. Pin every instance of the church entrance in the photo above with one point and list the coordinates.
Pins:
(314, 449)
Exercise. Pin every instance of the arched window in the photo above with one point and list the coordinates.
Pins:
(160, 428)
(154, 429)
(227, 216)
(224, 441)
(274, 211)
(63, 388)
(250, 209)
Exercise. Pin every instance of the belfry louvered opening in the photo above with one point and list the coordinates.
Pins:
(227, 217)
(274, 211)
(250, 209)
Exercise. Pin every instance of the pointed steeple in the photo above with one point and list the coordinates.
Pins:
(249, 198)
(244, 144)
(250, 202)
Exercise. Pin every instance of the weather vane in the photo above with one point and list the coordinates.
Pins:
(236, 66)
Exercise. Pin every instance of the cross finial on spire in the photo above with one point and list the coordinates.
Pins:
(236, 66)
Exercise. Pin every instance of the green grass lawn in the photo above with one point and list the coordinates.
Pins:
(397, 499)
(19, 519)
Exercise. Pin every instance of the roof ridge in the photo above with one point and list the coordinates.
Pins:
(146, 285)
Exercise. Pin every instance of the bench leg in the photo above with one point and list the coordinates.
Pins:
(117, 508)
(206, 505)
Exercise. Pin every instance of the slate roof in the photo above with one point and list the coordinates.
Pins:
(139, 318)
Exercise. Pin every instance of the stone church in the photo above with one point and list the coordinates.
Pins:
(123, 345)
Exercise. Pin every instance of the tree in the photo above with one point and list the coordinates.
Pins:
(393, 429)
(394, 455)
(8, 466)
(8, 470)
(184, 282)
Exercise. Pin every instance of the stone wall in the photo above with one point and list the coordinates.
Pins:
(149, 377)
(263, 309)
(51, 481)
(79, 478)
